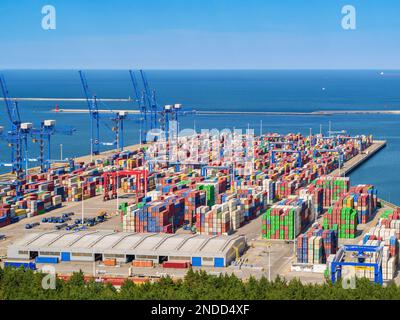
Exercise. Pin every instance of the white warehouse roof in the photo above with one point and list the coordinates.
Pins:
(127, 243)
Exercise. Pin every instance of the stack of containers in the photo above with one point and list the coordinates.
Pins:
(391, 219)
(389, 264)
(211, 190)
(193, 200)
(154, 195)
(277, 180)
(74, 191)
(315, 250)
(283, 220)
(214, 221)
(5, 214)
(333, 188)
(365, 201)
(236, 212)
(269, 187)
(56, 201)
(46, 198)
(342, 220)
(314, 198)
(176, 211)
(89, 190)
(386, 233)
(316, 245)
(284, 189)
(144, 218)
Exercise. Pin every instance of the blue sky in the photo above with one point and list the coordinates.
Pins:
(202, 34)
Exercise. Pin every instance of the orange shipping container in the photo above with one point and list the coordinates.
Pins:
(110, 262)
(142, 263)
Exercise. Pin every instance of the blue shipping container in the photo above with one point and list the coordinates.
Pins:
(46, 259)
(18, 264)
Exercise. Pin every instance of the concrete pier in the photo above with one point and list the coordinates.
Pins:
(73, 99)
(359, 159)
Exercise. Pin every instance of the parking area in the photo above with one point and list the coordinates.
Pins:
(255, 262)
(90, 208)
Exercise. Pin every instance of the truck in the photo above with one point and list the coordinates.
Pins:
(52, 219)
(60, 226)
(18, 264)
(79, 221)
(71, 227)
(101, 216)
(31, 225)
(81, 228)
(91, 222)
(67, 215)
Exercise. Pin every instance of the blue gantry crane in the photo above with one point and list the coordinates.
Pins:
(150, 99)
(344, 138)
(333, 138)
(337, 150)
(281, 144)
(94, 116)
(141, 103)
(118, 118)
(44, 133)
(361, 253)
(165, 118)
(299, 160)
(147, 103)
(337, 132)
(17, 136)
(172, 113)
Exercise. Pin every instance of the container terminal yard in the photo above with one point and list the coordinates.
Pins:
(251, 205)
(223, 201)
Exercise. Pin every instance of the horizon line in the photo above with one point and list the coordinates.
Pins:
(203, 69)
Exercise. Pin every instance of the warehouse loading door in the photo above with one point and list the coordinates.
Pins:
(196, 261)
(33, 254)
(219, 262)
(98, 257)
(65, 256)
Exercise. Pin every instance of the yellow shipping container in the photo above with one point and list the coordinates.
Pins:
(20, 212)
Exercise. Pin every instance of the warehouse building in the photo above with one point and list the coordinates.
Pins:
(199, 250)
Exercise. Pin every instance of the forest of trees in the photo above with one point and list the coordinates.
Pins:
(20, 284)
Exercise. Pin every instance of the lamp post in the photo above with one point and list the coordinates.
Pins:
(82, 210)
(269, 262)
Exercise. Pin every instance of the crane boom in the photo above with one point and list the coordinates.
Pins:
(12, 108)
(94, 115)
(135, 87)
(151, 100)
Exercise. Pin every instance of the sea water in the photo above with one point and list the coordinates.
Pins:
(225, 90)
